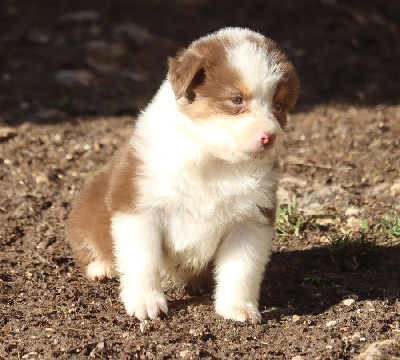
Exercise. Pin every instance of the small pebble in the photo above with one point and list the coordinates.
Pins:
(348, 302)
(144, 326)
(7, 133)
(395, 189)
(185, 353)
(295, 318)
(31, 355)
(352, 211)
(74, 77)
(357, 336)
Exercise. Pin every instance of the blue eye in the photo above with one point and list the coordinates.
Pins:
(279, 106)
(238, 100)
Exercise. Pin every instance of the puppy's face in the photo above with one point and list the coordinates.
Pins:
(236, 87)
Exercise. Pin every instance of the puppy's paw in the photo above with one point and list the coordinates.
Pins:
(98, 270)
(144, 304)
(240, 312)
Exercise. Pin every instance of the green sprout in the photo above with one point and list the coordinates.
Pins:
(289, 220)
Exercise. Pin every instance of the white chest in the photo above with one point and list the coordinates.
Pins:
(199, 203)
(196, 221)
(191, 241)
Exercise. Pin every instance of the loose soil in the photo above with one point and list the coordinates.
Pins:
(342, 163)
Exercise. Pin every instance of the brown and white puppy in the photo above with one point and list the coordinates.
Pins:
(195, 186)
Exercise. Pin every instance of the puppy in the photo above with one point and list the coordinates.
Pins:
(194, 188)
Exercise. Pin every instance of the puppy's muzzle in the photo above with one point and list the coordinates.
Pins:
(266, 140)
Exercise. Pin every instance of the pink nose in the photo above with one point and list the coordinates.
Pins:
(266, 139)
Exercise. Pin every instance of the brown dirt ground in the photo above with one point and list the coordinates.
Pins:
(342, 163)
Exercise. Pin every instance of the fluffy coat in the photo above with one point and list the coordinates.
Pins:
(194, 189)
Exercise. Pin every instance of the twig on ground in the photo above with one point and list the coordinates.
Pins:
(322, 166)
(42, 259)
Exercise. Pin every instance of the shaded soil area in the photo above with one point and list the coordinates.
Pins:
(73, 76)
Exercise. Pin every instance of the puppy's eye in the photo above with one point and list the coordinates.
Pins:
(237, 100)
(279, 107)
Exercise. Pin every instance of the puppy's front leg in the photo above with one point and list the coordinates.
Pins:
(138, 252)
(239, 269)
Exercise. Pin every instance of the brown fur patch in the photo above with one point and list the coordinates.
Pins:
(287, 92)
(288, 89)
(270, 214)
(89, 224)
(209, 80)
(182, 73)
(122, 192)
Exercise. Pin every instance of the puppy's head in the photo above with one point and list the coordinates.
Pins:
(235, 86)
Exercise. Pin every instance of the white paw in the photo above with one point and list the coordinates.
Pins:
(98, 270)
(144, 304)
(240, 312)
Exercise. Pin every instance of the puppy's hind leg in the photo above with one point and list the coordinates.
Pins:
(92, 248)
(88, 231)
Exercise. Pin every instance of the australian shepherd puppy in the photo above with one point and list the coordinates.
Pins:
(193, 191)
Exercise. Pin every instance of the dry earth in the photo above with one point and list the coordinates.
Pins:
(73, 75)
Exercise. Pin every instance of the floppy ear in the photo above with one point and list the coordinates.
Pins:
(288, 89)
(186, 72)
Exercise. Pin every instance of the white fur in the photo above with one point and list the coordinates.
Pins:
(239, 270)
(199, 200)
(137, 240)
(98, 270)
(257, 68)
(200, 193)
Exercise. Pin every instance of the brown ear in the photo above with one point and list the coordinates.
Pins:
(186, 72)
(288, 89)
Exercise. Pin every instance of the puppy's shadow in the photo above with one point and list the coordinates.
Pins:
(306, 282)
(310, 281)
